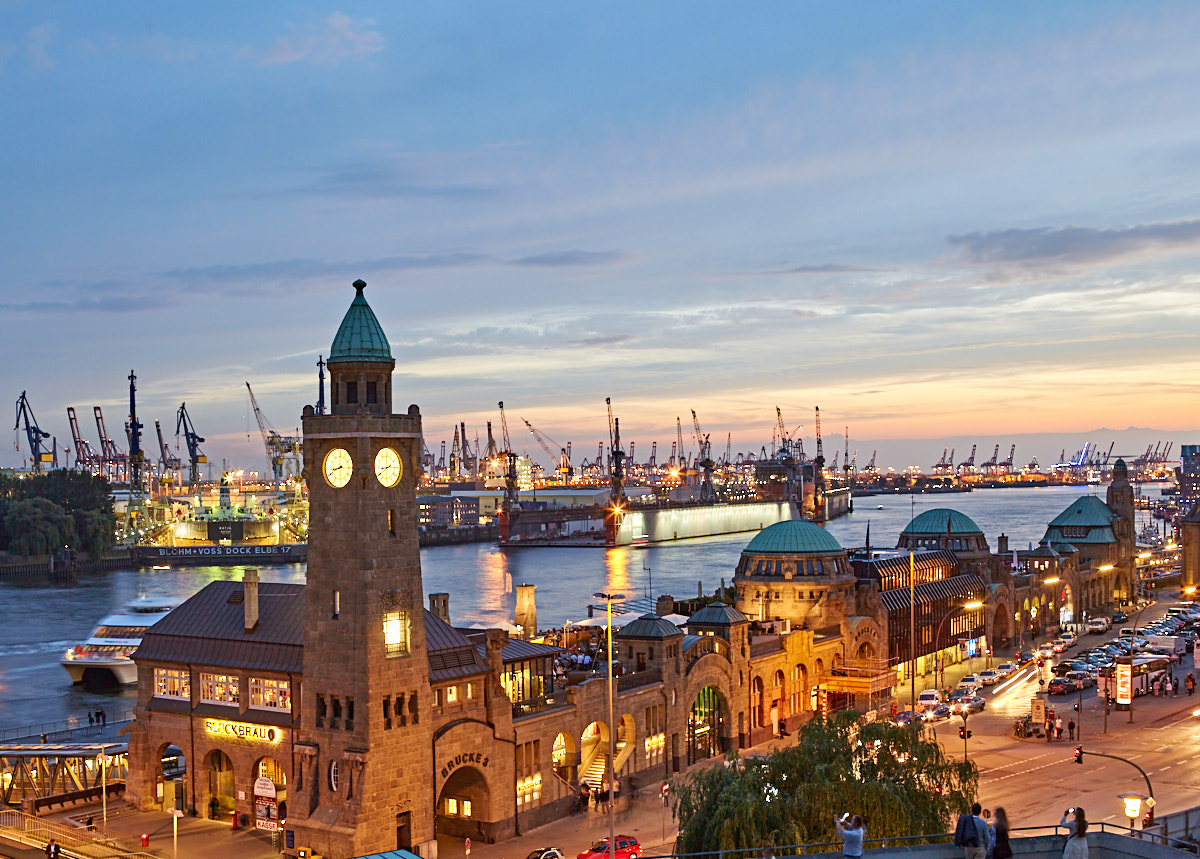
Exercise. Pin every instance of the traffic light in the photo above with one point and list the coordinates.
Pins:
(963, 733)
(1079, 754)
(1148, 818)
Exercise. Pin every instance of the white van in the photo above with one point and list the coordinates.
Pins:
(1173, 643)
(929, 698)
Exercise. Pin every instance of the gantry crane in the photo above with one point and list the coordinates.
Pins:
(284, 452)
(85, 457)
(113, 461)
(617, 492)
(183, 424)
(704, 461)
(561, 462)
(38, 455)
(167, 461)
(511, 499)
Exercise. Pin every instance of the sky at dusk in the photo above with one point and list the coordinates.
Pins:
(943, 223)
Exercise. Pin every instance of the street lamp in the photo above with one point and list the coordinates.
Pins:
(612, 741)
(103, 760)
(1133, 805)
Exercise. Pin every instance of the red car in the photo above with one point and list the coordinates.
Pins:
(627, 848)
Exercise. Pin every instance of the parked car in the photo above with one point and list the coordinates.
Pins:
(1098, 626)
(1082, 679)
(545, 853)
(1060, 686)
(989, 677)
(627, 848)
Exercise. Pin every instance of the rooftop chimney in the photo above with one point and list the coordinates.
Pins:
(250, 598)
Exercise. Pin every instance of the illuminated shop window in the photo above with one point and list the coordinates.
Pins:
(219, 688)
(268, 694)
(172, 683)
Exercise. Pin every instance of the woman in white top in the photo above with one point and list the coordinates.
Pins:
(1077, 847)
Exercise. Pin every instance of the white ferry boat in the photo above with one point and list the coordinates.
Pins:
(104, 658)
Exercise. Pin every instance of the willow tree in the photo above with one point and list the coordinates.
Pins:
(898, 778)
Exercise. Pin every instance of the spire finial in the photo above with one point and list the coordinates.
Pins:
(360, 285)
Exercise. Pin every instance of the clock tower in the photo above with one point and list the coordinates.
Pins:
(364, 753)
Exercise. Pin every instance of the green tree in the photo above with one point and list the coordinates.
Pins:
(85, 497)
(38, 527)
(899, 779)
(96, 530)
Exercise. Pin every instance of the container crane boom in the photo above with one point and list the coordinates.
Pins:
(280, 449)
(183, 423)
(511, 500)
(617, 493)
(36, 436)
(560, 461)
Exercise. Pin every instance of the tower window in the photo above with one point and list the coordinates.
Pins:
(387, 712)
(349, 714)
(337, 604)
(371, 395)
(392, 522)
(395, 633)
(320, 711)
(352, 392)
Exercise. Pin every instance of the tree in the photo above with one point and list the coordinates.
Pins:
(898, 778)
(96, 530)
(38, 527)
(85, 497)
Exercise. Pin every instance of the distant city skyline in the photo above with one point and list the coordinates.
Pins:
(944, 226)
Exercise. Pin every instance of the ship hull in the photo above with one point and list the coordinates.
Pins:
(681, 523)
(284, 553)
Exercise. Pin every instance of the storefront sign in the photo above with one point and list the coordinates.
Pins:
(1037, 711)
(266, 809)
(477, 758)
(1124, 684)
(241, 730)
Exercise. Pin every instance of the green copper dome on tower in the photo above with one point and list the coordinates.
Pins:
(360, 337)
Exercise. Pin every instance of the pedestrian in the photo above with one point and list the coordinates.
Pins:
(91, 719)
(1174, 688)
(53, 851)
(1071, 730)
(1001, 849)
(1058, 728)
(1076, 834)
(971, 834)
(852, 835)
(1049, 729)
(103, 718)
(1191, 683)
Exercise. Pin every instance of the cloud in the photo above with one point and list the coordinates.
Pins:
(573, 258)
(1076, 245)
(36, 43)
(831, 267)
(379, 180)
(339, 37)
(609, 340)
(109, 296)
(305, 269)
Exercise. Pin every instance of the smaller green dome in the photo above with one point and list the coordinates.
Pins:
(360, 337)
(793, 537)
(942, 521)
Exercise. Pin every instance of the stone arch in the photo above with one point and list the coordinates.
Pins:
(564, 754)
(170, 766)
(1066, 604)
(271, 768)
(706, 722)
(1001, 627)
(462, 804)
(757, 694)
(218, 783)
(799, 687)
(593, 754)
(626, 741)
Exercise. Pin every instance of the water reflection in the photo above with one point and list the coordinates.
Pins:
(616, 565)
(494, 589)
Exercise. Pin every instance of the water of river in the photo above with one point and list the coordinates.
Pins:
(42, 620)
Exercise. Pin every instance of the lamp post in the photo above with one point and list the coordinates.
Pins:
(103, 758)
(612, 741)
(1133, 806)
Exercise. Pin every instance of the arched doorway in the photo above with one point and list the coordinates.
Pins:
(705, 722)
(1001, 628)
(593, 754)
(626, 734)
(563, 756)
(866, 651)
(219, 797)
(779, 712)
(799, 687)
(1066, 605)
(757, 714)
(170, 777)
(462, 805)
(270, 794)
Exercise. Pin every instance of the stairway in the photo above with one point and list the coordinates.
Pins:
(596, 772)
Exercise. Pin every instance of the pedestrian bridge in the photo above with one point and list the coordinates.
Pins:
(38, 776)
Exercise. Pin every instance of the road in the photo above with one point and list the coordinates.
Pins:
(1035, 780)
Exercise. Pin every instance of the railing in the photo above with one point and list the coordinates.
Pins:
(63, 726)
(37, 832)
(639, 678)
(541, 704)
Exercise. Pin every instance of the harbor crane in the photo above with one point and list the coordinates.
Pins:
(38, 455)
(967, 466)
(511, 499)
(284, 453)
(617, 493)
(1007, 464)
(704, 461)
(135, 509)
(85, 457)
(680, 457)
(113, 461)
(167, 462)
(183, 424)
(561, 462)
(990, 465)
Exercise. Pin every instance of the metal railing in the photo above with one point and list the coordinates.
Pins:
(67, 726)
(37, 832)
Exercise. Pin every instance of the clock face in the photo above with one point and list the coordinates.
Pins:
(388, 468)
(338, 467)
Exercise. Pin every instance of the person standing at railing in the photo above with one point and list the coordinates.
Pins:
(853, 834)
(53, 851)
(1077, 847)
(1002, 849)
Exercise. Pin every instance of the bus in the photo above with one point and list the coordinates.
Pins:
(1144, 670)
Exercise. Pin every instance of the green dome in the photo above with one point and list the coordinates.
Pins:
(360, 337)
(942, 521)
(793, 537)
